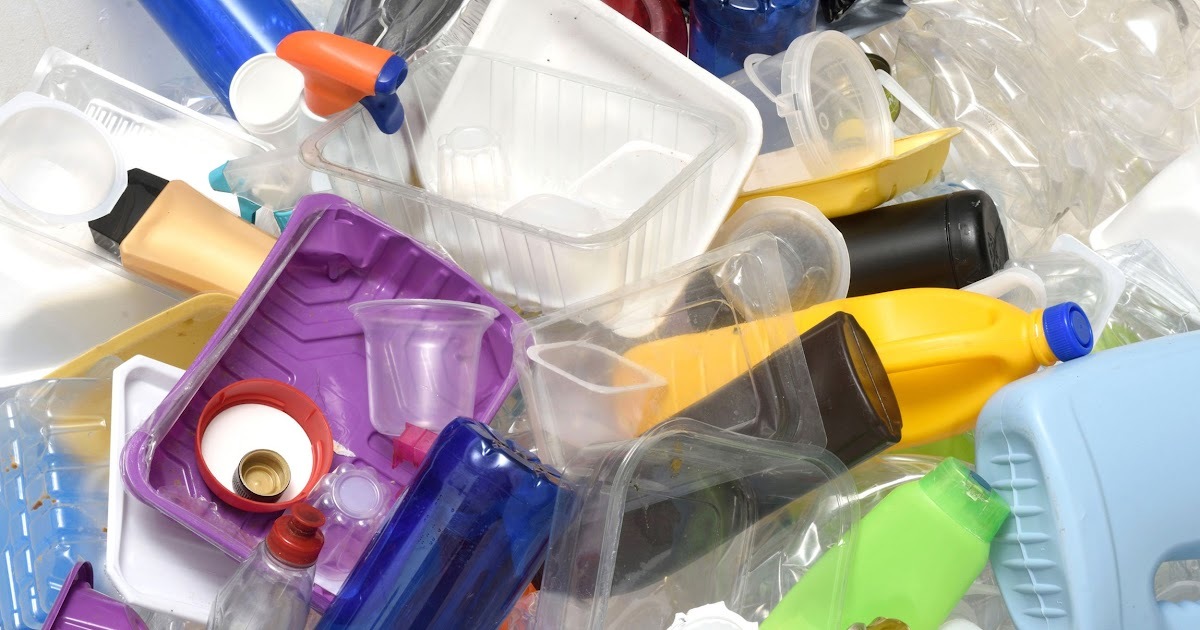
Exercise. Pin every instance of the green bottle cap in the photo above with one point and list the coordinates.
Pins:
(966, 498)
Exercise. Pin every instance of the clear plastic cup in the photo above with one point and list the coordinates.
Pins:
(422, 360)
(58, 165)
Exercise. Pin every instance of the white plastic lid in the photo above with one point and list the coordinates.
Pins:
(266, 94)
(711, 617)
(834, 104)
(816, 261)
(58, 165)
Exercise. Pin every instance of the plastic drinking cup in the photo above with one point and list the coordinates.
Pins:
(422, 360)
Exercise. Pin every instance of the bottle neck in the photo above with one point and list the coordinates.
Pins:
(280, 563)
(1038, 343)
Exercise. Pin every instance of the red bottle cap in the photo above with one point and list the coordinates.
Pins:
(296, 538)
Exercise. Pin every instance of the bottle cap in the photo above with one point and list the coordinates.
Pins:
(711, 617)
(1068, 331)
(296, 538)
(140, 193)
(966, 498)
(262, 475)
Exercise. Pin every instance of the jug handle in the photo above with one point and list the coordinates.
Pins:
(999, 283)
(1181, 615)
(923, 352)
(749, 66)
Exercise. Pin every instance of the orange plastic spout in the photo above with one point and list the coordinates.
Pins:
(339, 71)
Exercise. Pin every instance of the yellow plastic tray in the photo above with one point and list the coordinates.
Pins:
(174, 336)
(916, 161)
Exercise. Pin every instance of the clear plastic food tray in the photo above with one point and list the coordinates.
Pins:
(60, 302)
(583, 388)
(488, 137)
(148, 131)
(685, 516)
(54, 487)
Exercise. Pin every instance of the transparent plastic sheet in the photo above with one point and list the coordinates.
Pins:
(685, 516)
(1156, 301)
(1050, 94)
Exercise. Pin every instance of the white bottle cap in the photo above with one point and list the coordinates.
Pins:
(711, 617)
(959, 624)
(266, 95)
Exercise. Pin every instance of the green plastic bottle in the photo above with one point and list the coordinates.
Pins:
(914, 556)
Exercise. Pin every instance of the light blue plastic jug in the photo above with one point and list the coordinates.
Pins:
(1099, 460)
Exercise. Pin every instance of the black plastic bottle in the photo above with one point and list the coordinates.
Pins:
(948, 241)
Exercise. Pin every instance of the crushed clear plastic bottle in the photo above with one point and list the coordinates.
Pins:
(273, 587)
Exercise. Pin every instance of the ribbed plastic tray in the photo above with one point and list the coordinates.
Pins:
(293, 324)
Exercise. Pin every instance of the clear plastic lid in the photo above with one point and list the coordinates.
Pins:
(834, 104)
(816, 262)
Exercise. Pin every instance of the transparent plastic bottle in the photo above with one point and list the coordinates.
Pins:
(272, 588)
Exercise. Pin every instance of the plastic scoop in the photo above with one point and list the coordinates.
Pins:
(58, 165)
(422, 360)
(823, 94)
(339, 72)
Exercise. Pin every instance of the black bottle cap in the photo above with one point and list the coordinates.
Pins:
(948, 241)
(141, 192)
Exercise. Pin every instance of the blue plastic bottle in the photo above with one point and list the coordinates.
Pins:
(460, 548)
(725, 32)
(218, 36)
(1097, 458)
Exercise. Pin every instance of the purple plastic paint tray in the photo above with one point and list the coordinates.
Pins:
(79, 607)
(293, 324)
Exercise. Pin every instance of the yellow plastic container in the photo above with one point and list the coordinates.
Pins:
(174, 336)
(917, 159)
(945, 351)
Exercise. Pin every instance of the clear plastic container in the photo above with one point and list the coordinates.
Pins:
(816, 262)
(1157, 301)
(354, 499)
(582, 389)
(422, 360)
(823, 95)
(61, 301)
(688, 515)
(1018, 286)
(558, 134)
(148, 131)
(58, 165)
(1072, 272)
(54, 488)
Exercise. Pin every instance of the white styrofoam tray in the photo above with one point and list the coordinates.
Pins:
(153, 561)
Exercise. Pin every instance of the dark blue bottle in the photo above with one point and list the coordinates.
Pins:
(218, 36)
(462, 545)
(725, 32)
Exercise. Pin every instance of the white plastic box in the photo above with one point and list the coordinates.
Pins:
(558, 134)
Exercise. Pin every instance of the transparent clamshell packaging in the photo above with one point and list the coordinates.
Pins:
(551, 133)
(689, 515)
(583, 389)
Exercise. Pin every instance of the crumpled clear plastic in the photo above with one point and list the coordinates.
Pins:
(1068, 106)
(1156, 301)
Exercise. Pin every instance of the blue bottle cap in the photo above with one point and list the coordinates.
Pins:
(1068, 331)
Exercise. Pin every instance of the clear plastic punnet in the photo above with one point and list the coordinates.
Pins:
(146, 130)
(484, 134)
(584, 388)
(686, 516)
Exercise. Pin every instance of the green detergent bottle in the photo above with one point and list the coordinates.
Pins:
(914, 556)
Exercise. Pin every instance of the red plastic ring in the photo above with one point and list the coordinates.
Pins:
(288, 399)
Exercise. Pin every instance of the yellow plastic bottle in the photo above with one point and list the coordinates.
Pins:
(945, 351)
